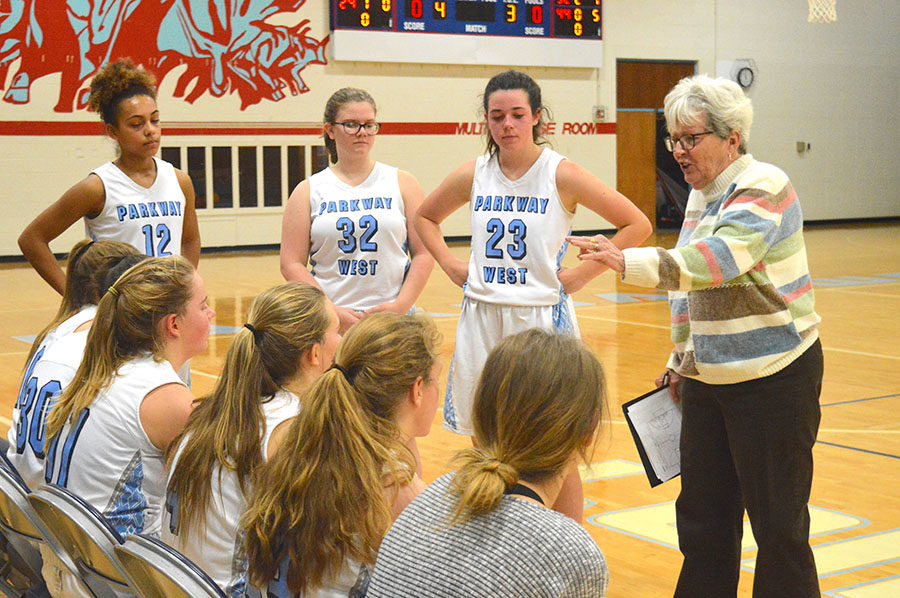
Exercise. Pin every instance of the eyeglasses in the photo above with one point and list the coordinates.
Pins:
(687, 141)
(352, 127)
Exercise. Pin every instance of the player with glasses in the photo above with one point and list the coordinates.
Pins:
(348, 229)
(352, 127)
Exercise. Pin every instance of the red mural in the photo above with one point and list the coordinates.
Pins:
(226, 46)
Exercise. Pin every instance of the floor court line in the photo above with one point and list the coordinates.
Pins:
(618, 321)
(876, 588)
(862, 353)
(861, 450)
(839, 431)
(863, 293)
(655, 523)
(851, 554)
(860, 400)
(204, 374)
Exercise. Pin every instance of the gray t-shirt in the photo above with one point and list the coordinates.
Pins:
(520, 549)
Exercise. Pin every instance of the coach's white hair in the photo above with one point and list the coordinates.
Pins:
(721, 101)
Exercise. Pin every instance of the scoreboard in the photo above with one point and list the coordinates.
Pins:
(499, 32)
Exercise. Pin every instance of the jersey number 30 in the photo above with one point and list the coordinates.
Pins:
(33, 405)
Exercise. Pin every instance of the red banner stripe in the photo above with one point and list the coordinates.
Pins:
(24, 128)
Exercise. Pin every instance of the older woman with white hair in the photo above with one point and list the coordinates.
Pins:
(747, 362)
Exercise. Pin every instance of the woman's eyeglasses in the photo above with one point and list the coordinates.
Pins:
(352, 127)
(687, 141)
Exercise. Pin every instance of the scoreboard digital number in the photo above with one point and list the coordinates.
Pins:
(522, 32)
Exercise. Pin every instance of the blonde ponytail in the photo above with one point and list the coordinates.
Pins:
(321, 499)
(127, 325)
(537, 402)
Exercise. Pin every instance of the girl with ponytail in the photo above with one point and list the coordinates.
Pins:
(107, 432)
(485, 530)
(57, 350)
(289, 339)
(344, 469)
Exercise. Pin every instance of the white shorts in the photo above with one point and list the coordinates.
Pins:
(481, 326)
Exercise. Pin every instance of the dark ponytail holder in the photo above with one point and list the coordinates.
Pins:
(257, 334)
(77, 255)
(342, 370)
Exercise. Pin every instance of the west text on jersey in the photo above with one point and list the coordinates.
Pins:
(505, 275)
(357, 267)
(355, 205)
(510, 203)
(150, 209)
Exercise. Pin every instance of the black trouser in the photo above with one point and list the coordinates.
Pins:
(749, 445)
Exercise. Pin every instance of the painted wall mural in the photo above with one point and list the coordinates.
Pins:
(226, 45)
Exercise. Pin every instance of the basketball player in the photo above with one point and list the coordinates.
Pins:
(485, 530)
(522, 200)
(289, 340)
(57, 350)
(137, 198)
(343, 469)
(352, 222)
(107, 445)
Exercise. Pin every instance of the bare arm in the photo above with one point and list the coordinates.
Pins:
(164, 413)
(452, 193)
(421, 263)
(276, 438)
(295, 243)
(578, 186)
(402, 496)
(86, 198)
(190, 231)
(295, 225)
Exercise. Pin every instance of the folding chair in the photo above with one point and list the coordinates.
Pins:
(21, 532)
(86, 537)
(157, 570)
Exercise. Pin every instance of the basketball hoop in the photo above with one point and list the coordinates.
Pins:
(822, 11)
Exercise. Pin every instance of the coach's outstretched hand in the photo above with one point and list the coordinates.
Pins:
(599, 249)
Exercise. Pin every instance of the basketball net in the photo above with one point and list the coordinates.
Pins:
(822, 11)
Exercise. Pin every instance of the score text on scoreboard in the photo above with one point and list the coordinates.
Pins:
(470, 31)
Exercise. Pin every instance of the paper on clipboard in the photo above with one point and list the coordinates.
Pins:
(655, 423)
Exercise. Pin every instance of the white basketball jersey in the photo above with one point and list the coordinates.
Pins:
(352, 582)
(219, 551)
(50, 370)
(148, 219)
(105, 457)
(518, 233)
(358, 244)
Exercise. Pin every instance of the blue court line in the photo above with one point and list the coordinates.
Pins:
(834, 593)
(592, 520)
(621, 475)
(852, 569)
(217, 329)
(853, 448)
(858, 400)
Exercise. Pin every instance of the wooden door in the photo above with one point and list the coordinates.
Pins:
(641, 86)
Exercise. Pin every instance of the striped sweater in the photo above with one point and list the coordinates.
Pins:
(740, 295)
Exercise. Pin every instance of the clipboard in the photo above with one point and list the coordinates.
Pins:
(655, 423)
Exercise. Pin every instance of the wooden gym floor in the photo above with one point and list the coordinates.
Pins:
(855, 502)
